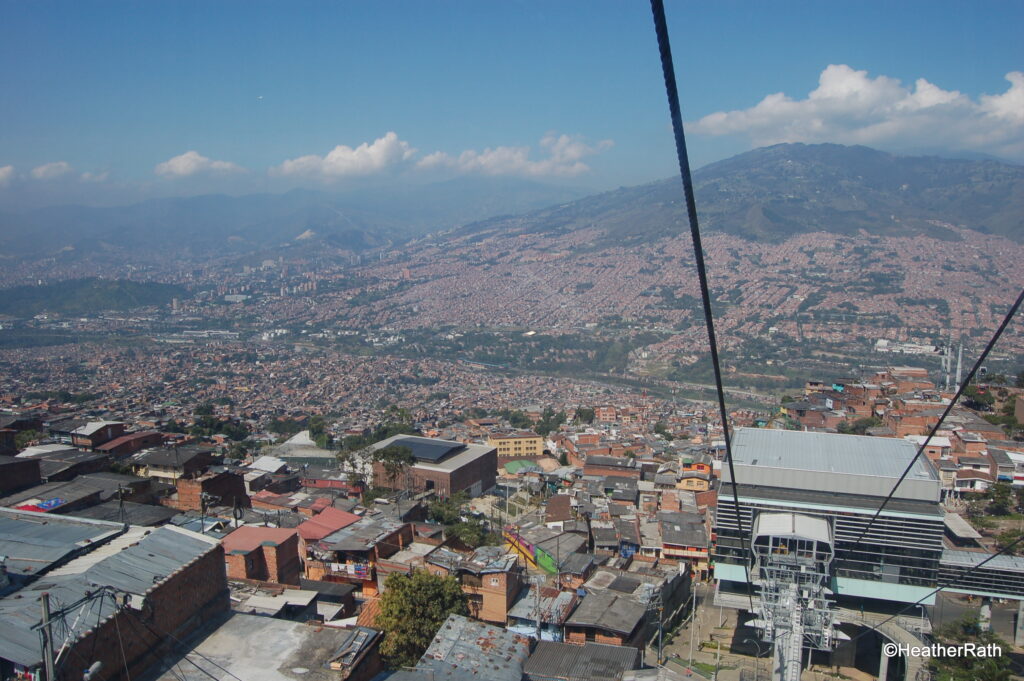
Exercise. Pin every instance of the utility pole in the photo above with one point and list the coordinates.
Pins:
(661, 631)
(47, 633)
(718, 657)
(693, 622)
(536, 602)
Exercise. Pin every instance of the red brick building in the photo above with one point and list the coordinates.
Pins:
(264, 554)
(490, 578)
(127, 445)
(606, 618)
(443, 466)
(222, 489)
(95, 433)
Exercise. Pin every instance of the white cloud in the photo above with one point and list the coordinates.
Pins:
(564, 158)
(367, 159)
(192, 162)
(95, 177)
(50, 171)
(850, 107)
(6, 175)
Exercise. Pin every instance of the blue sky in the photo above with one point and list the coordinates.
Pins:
(115, 101)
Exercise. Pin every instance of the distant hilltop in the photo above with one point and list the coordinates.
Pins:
(773, 193)
(768, 194)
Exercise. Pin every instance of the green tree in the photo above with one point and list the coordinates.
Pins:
(661, 429)
(318, 432)
(1019, 381)
(22, 439)
(1006, 538)
(412, 609)
(977, 399)
(967, 667)
(584, 415)
(473, 533)
(1000, 498)
(237, 450)
(204, 409)
(395, 459)
(447, 511)
(860, 426)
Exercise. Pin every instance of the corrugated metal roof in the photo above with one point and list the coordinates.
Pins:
(589, 662)
(615, 613)
(973, 558)
(34, 542)
(133, 563)
(827, 452)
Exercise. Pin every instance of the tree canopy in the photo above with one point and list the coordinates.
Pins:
(967, 667)
(395, 459)
(412, 609)
(858, 427)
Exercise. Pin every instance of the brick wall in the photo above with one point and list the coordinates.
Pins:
(197, 593)
(482, 470)
(17, 474)
(578, 636)
(283, 563)
(279, 564)
(226, 487)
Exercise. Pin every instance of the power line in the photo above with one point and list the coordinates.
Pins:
(120, 643)
(661, 29)
(179, 642)
(938, 424)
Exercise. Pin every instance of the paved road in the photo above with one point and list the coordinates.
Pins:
(952, 607)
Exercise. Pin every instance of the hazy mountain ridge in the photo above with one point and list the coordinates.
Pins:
(767, 195)
(773, 193)
(205, 226)
(86, 296)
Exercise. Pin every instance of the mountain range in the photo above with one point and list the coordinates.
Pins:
(772, 193)
(767, 194)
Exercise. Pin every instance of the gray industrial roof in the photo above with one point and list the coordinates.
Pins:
(453, 461)
(826, 452)
(842, 464)
(973, 558)
(33, 542)
(133, 562)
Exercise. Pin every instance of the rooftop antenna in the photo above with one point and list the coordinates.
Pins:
(122, 512)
